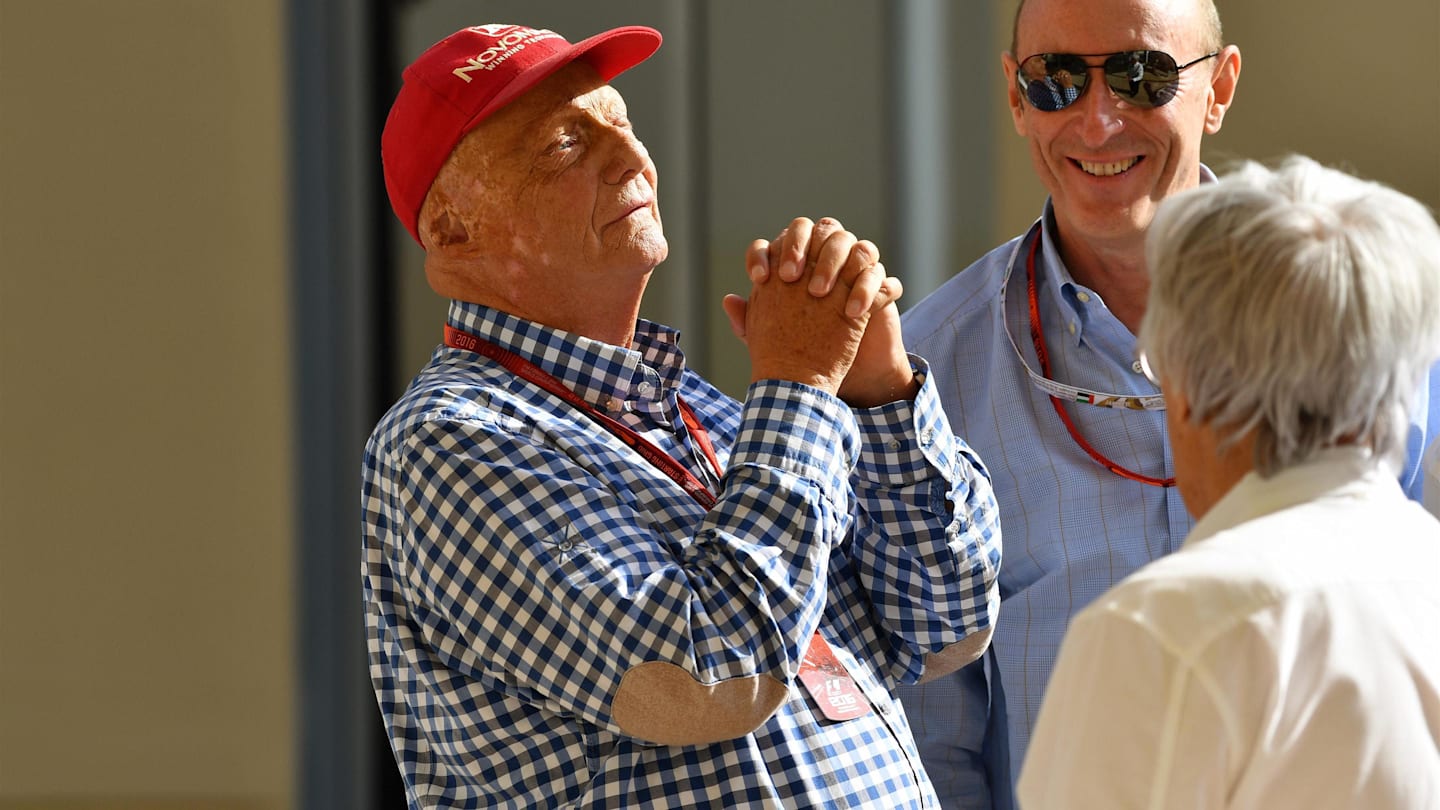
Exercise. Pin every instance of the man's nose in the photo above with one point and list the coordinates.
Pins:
(1101, 111)
(628, 156)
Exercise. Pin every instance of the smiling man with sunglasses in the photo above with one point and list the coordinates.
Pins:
(1037, 342)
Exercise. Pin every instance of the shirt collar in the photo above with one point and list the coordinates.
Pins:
(1331, 473)
(1055, 284)
(602, 374)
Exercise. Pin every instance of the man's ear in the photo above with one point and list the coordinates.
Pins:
(1010, 66)
(1222, 88)
(440, 225)
(447, 229)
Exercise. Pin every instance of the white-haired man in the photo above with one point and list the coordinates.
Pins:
(1287, 655)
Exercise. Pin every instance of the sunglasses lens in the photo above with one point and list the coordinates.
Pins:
(1143, 78)
(1052, 81)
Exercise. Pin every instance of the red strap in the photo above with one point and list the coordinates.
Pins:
(701, 436)
(458, 339)
(1039, 339)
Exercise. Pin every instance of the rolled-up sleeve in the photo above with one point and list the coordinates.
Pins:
(927, 540)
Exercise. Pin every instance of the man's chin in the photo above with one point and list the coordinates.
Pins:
(660, 253)
(647, 247)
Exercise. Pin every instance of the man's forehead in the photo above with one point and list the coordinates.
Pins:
(529, 122)
(1101, 26)
(568, 93)
(602, 99)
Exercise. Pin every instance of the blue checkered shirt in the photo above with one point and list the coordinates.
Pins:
(1072, 528)
(519, 559)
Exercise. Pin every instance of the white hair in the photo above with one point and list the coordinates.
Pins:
(1299, 302)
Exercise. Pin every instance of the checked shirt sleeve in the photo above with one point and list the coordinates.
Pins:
(544, 561)
(927, 540)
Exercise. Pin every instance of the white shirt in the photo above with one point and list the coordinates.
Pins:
(1288, 656)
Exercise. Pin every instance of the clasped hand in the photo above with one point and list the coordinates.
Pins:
(821, 311)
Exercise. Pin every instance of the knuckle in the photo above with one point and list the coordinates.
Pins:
(832, 229)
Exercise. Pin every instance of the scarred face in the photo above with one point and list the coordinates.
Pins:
(554, 187)
(1107, 163)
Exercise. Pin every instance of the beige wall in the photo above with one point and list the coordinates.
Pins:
(145, 596)
(1344, 82)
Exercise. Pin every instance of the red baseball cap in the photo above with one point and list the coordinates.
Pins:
(460, 80)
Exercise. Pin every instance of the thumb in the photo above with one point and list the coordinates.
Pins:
(735, 308)
(890, 291)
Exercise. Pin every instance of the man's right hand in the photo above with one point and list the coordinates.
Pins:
(813, 342)
(794, 330)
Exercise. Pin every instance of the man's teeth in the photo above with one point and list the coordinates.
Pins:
(1107, 169)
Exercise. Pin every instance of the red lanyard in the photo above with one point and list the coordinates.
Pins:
(457, 339)
(1039, 339)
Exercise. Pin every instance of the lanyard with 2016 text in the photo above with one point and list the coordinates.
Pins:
(458, 339)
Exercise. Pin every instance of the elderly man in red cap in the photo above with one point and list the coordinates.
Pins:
(591, 578)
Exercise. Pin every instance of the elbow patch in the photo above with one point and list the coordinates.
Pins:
(661, 702)
(965, 651)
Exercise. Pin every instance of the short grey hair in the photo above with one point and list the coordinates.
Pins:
(1300, 302)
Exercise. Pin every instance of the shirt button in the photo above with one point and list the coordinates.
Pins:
(1072, 327)
(1137, 368)
(894, 444)
(644, 388)
(927, 436)
(1083, 297)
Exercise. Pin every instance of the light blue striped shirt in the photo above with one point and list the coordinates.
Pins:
(1071, 528)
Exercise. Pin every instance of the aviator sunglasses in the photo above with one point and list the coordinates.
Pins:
(1054, 81)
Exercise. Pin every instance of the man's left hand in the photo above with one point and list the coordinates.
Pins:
(881, 372)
